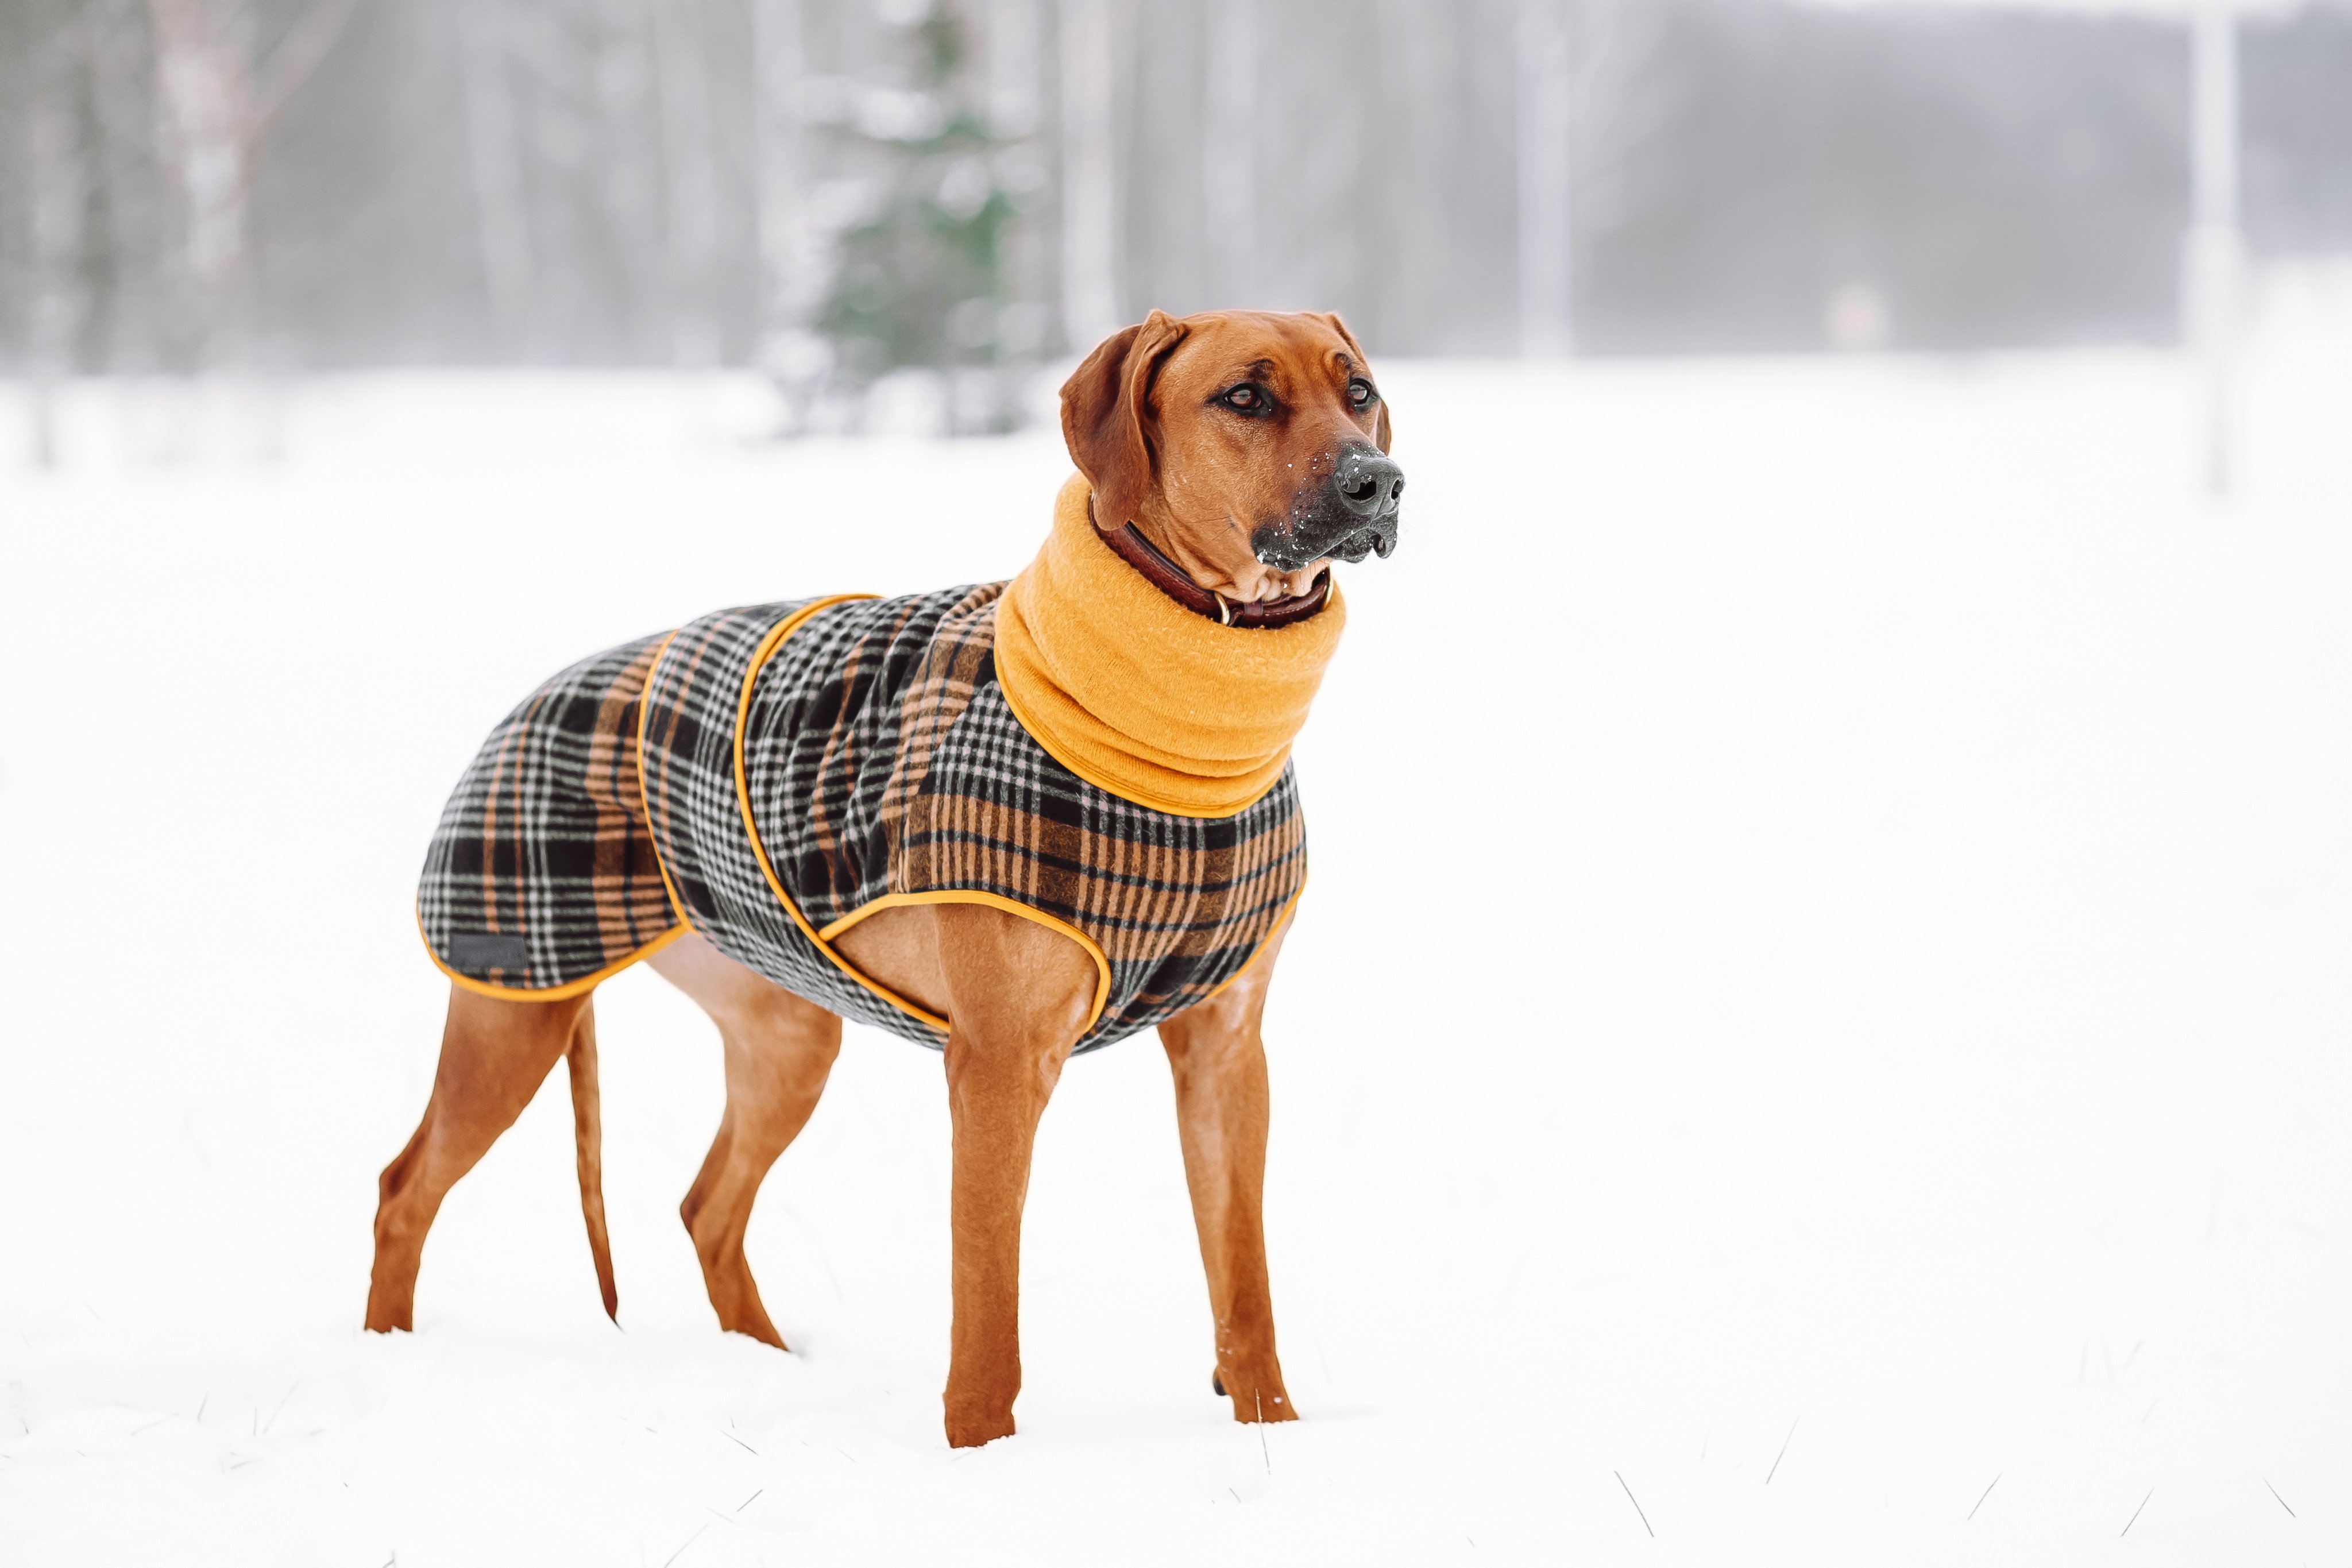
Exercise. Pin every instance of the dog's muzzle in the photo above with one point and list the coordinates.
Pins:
(1353, 515)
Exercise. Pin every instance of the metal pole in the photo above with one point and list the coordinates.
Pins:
(2215, 249)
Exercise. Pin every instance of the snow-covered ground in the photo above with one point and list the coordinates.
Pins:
(1825, 991)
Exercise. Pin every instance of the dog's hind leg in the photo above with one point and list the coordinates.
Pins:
(780, 1050)
(494, 1053)
(1219, 1059)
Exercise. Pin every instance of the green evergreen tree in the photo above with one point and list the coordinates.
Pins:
(923, 282)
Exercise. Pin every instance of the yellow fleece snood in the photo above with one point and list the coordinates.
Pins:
(1139, 696)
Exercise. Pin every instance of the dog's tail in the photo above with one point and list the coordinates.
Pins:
(588, 1131)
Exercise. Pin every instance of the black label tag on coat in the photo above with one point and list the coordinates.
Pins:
(475, 950)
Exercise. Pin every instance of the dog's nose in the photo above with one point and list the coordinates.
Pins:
(1367, 482)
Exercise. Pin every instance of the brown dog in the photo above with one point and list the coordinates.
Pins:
(1248, 450)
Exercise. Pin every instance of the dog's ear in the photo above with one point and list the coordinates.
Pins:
(1380, 424)
(1107, 417)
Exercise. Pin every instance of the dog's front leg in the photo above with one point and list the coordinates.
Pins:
(1219, 1059)
(1019, 996)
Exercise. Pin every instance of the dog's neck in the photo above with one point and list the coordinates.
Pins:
(1141, 694)
(1130, 545)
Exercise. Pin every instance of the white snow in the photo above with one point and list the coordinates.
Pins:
(1827, 950)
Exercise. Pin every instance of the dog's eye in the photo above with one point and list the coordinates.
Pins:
(1360, 394)
(1247, 399)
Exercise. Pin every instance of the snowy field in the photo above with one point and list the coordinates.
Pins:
(1824, 1008)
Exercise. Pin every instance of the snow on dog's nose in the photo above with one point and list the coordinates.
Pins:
(1352, 514)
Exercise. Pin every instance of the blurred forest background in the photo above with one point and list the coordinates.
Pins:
(828, 190)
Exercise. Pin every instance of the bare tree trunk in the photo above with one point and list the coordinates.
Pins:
(792, 264)
(58, 178)
(206, 90)
(2215, 249)
(131, 187)
(1547, 249)
(494, 165)
(690, 181)
(1230, 133)
(1625, 96)
(216, 109)
(1090, 309)
(621, 181)
(1409, 145)
(1015, 46)
(1014, 95)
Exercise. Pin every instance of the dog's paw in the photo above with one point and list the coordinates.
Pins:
(1262, 1398)
(975, 1436)
(970, 1431)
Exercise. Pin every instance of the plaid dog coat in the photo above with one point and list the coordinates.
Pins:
(769, 776)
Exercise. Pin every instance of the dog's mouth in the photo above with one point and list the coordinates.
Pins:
(1378, 537)
(1311, 540)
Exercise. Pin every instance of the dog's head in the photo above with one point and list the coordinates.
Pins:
(1250, 447)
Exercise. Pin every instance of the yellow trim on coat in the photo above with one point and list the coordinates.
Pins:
(1280, 924)
(760, 657)
(552, 993)
(995, 901)
(644, 706)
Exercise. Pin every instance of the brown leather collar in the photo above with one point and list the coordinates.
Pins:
(1167, 577)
